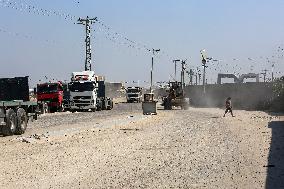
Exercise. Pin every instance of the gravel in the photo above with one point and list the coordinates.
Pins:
(197, 148)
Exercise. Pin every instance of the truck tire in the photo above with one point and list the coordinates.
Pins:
(22, 121)
(99, 106)
(11, 123)
(167, 104)
(110, 105)
(104, 104)
(60, 108)
(186, 107)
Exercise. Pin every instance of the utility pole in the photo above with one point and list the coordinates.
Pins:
(152, 67)
(203, 61)
(87, 23)
(191, 73)
(175, 61)
(272, 73)
(264, 75)
(199, 75)
(182, 73)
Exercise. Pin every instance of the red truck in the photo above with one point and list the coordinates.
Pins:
(50, 96)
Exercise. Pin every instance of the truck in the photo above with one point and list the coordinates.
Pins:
(50, 96)
(175, 96)
(16, 109)
(133, 94)
(87, 92)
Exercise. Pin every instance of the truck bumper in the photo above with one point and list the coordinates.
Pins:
(2, 122)
(2, 117)
(133, 99)
(82, 107)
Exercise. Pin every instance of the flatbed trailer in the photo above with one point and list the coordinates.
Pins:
(16, 109)
(14, 116)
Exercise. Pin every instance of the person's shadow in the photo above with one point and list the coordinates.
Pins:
(275, 166)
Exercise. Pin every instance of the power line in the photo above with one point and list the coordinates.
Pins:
(35, 10)
(109, 32)
(26, 36)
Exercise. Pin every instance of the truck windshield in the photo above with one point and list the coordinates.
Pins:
(48, 88)
(80, 87)
(132, 91)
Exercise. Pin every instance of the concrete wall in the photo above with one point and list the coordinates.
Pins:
(114, 90)
(249, 96)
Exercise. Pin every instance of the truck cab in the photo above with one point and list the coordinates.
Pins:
(51, 94)
(83, 95)
(87, 92)
(133, 94)
(83, 91)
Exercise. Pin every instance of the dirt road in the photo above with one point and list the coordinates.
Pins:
(197, 148)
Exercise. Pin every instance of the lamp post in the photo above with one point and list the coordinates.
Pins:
(272, 72)
(203, 61)
(175, 61)
(152, 67)
(182, 74)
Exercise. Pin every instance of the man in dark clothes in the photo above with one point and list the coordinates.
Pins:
(228, 107)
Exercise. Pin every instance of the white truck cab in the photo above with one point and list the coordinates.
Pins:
(83, 91)
(133, 94)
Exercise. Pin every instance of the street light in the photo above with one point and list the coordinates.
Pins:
(204, 61)
(175, 61)
(152, 67)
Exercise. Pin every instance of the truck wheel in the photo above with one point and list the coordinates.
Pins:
(167, 104)
(11, 123)
(60, 108)
(22, 121)
(186, 107)
(104, 104)
(110, 106)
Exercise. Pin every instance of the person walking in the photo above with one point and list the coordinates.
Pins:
(228, 105)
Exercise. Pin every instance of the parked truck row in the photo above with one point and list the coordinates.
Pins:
(85, 92)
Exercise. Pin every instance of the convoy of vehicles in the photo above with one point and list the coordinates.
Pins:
(84, 92)
(16, 109)
(133, 94)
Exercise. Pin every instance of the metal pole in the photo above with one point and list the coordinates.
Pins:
(264, 75)
(152, 72)
(175, 61)
(204, 78)
(272, 73)
(87, 23)
(175, 70)
(182, 73)
(152, 67)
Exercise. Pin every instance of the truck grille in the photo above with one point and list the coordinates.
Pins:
(82, 101)
(132, 95)
(81, 97)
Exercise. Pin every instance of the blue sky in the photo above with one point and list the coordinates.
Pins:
(243, 35)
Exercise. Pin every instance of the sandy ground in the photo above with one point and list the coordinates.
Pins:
(196, 148)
